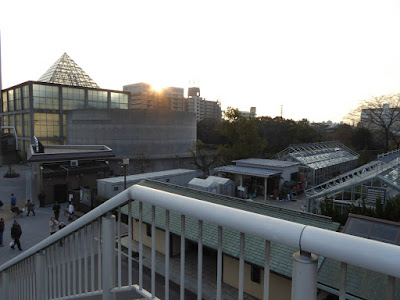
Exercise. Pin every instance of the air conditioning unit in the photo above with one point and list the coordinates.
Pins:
(74, 163)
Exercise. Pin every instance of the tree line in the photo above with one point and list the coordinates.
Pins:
(237, 137)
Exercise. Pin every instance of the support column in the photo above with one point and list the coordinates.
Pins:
(5, 283)
(304, 276)
(40, 269)
(108, 256)
(265, 190)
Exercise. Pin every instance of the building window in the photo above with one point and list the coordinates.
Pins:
(255, 274)
(116, 188)
(148, 230)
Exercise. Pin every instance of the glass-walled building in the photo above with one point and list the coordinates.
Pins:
(39, 109)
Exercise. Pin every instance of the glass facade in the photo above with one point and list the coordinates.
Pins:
(119, 100)
(97, 99)
(27, 125)
(10, 100)
(25, 90)
(46, 125)
(5, 109)
(18, 99)
(35, 108)
(73, 98)
(45, 97)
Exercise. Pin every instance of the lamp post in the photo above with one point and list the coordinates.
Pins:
(125, 162)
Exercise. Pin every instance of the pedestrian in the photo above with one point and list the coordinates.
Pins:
(70, 211)
(13, 201)
(56, 209)
(30, 207)
(41, 198)
(1, 231)
(53, 224)
(61, 226)
(16, 233)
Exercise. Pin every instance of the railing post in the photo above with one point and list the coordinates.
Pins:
(108, 256)
(304, 276)
(40, 269)
(5, 283)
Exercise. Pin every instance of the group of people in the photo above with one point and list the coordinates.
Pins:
(16, 230)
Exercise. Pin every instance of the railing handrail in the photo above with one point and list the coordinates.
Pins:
(369, 254)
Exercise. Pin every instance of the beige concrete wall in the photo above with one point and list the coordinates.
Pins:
(160, 237)
(279, 287)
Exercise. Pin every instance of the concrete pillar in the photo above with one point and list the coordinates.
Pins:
(304, 276)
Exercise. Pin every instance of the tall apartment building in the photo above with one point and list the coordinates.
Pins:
(143, 96)
(203, 108)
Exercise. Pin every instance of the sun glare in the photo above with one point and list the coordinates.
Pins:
(158, 86)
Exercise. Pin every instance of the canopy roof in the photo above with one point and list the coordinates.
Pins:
(251, 171)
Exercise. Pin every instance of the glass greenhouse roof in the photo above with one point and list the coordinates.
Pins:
(66, 71)
(319, 155)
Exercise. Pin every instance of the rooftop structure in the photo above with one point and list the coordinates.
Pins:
(321, 161)
(261, 176)
(65, 71)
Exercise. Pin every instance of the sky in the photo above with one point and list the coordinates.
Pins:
(307, 59)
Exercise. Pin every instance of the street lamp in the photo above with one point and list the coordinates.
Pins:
(125, 162)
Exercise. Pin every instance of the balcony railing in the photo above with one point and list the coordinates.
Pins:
(85, 258)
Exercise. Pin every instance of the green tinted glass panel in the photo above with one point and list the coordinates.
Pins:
(46, 125)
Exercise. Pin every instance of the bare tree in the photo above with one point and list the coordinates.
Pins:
(380, 114)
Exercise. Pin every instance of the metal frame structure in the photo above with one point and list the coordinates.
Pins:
(321, 159)
(386, 173)
(88, 265)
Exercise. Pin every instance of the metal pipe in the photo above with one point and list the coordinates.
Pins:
(266, 269)
(241, 267)
(40, 269)
(108, 261)
(219, 264)
(342, 281)
(167, 253)
(182, 281)
(200, 262)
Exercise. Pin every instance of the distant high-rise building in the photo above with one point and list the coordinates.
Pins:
(204, 109)
(143, 96)
(249, 114)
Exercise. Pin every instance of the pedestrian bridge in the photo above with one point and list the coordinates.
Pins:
(86, 258)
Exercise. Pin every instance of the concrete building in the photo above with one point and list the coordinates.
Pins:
(143, 96)
(156, 139)
(204, 109)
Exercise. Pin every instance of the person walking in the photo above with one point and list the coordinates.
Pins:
(71, 210)
(53, 224)
(16, 233)
(13, 201)
(56, 209)
(31, 208)
(2, 225)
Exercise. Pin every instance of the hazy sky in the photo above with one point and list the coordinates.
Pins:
(316, 58)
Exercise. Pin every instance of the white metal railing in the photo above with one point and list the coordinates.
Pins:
(87, 263)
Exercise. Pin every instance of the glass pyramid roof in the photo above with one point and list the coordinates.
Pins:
(66, 71)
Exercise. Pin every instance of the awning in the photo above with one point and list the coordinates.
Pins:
(257, 172)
